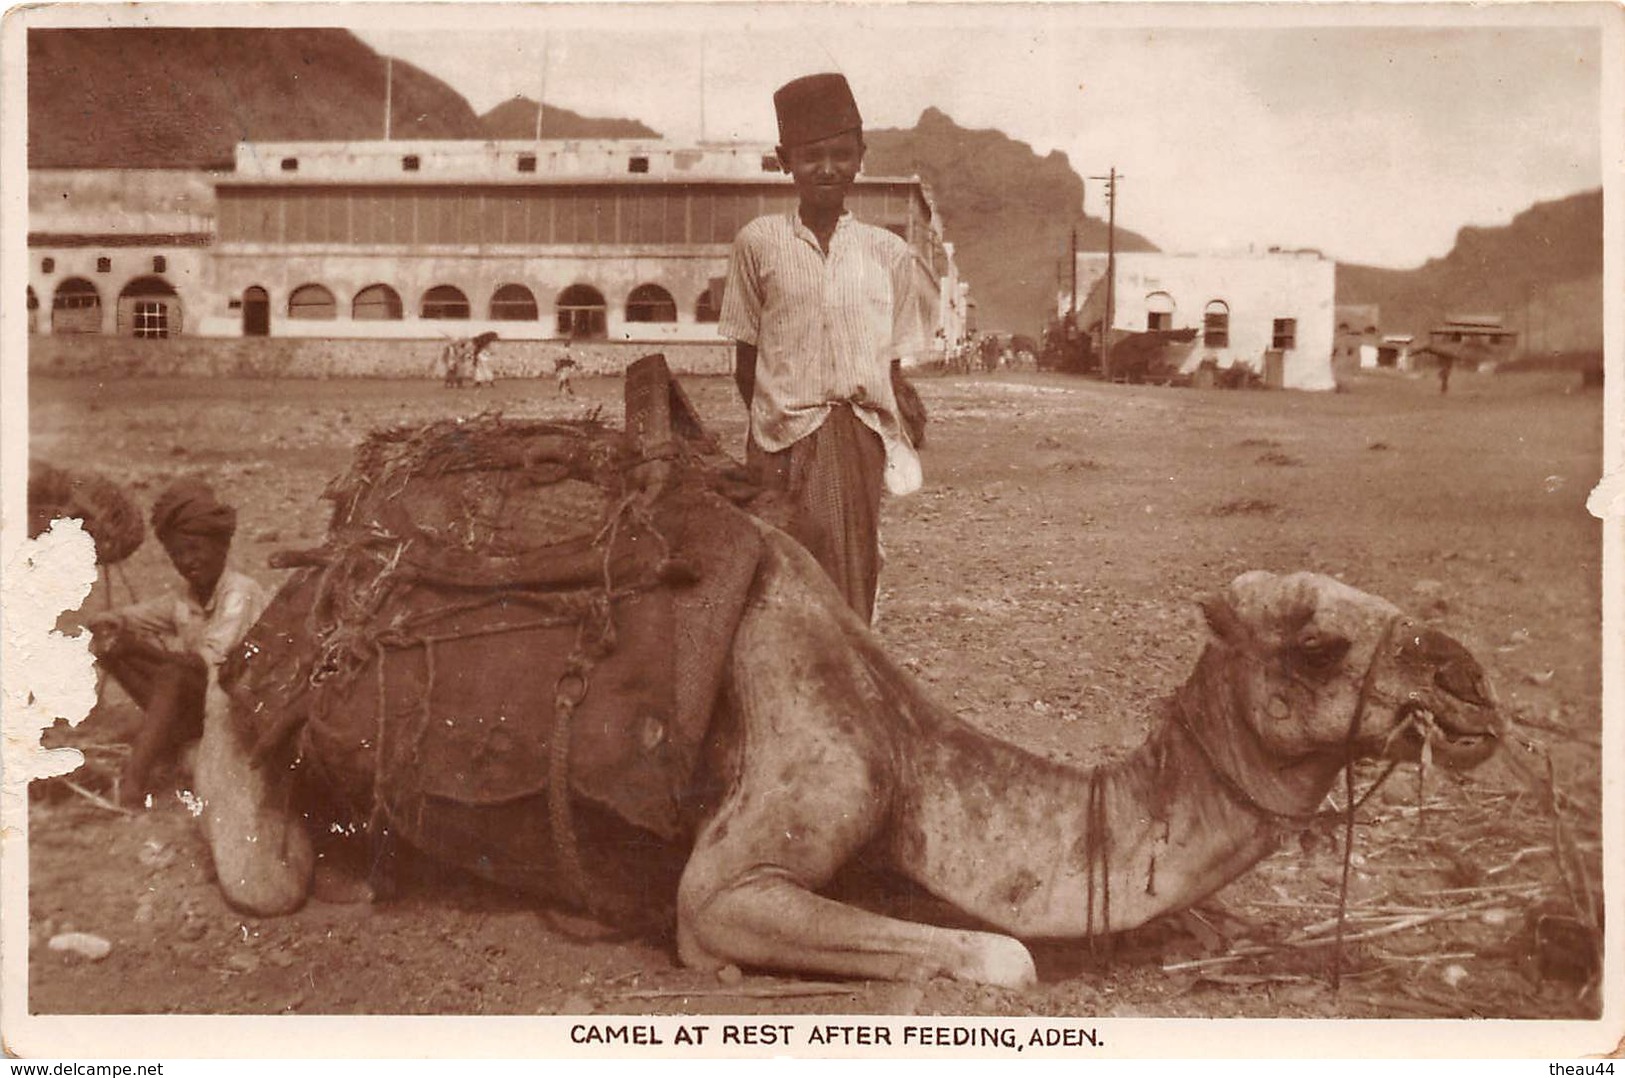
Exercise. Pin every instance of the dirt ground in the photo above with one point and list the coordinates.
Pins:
(1043, 584)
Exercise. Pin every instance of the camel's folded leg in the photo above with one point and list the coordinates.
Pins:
(764, 918)
(816, 768)
(262, 854)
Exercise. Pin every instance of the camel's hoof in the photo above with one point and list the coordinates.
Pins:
(1002, 961)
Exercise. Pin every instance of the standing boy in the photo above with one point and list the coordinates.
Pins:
(165, 650)
(819, 305)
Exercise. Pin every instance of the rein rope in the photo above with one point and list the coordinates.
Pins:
(1348, 795)
(1098, 863)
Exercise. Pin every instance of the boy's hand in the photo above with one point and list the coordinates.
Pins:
(104, 629)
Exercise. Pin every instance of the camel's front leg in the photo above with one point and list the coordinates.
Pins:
(816, 767)
(263, 857)
(765, 915)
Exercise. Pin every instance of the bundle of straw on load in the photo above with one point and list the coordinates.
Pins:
(107, 513)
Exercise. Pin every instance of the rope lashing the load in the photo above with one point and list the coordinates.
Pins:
(375, 835)
(570, 690)
(418, 504)
(593, 615)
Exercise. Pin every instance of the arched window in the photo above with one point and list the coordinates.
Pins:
(76, 307)
(708, 308)
(148, 307)
(650, 303)
(1159, 311)
(444, 301)
(582, 312)
(312, 301)
(376, 303)
(513, 303)
(1216, 324)
(75, 293)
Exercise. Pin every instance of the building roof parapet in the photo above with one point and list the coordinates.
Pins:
(515, 161)
(441, 158)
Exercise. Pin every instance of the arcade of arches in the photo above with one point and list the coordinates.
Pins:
(579, 311)
(146, 307)
(150, 307)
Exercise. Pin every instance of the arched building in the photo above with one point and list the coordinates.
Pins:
(611, 240)
(121, 252)
(615, 240)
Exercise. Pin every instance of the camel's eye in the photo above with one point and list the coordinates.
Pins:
(1321, 652)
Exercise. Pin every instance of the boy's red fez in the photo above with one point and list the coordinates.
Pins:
(815, 107)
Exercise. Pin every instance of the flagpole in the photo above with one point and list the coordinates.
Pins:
(541, 94)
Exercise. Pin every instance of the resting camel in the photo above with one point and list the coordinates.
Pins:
(824, 753)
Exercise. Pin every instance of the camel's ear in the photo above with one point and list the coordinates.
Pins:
(1222, 619)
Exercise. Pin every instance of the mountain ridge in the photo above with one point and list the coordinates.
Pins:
(1541, 271)
(182, 98)
(1011, 240)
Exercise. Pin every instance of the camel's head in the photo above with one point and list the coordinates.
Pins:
(1315, 653)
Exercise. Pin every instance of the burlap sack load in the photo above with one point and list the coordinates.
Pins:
(515, 630)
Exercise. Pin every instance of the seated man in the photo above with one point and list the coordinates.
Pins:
(164, 651)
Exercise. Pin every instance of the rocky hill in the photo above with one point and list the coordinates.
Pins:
(183, 98)
(516, 119)
(1008, 212)
(1541, 272)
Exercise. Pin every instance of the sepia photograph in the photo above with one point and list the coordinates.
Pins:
(818, 530)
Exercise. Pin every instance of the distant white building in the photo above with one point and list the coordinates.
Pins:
(1272, 311)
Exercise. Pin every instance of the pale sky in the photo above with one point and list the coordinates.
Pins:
(1372, 141)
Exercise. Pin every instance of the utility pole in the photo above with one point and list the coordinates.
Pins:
(1072, 307)
(389, 94)
(1111, 272)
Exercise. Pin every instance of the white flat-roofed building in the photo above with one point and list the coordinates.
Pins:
(1273, 311)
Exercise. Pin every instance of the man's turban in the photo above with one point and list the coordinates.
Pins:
(188, 506)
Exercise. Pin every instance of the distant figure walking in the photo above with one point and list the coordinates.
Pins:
(484, 366)
(455, 363)
(563, 369)
(1445, 363)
